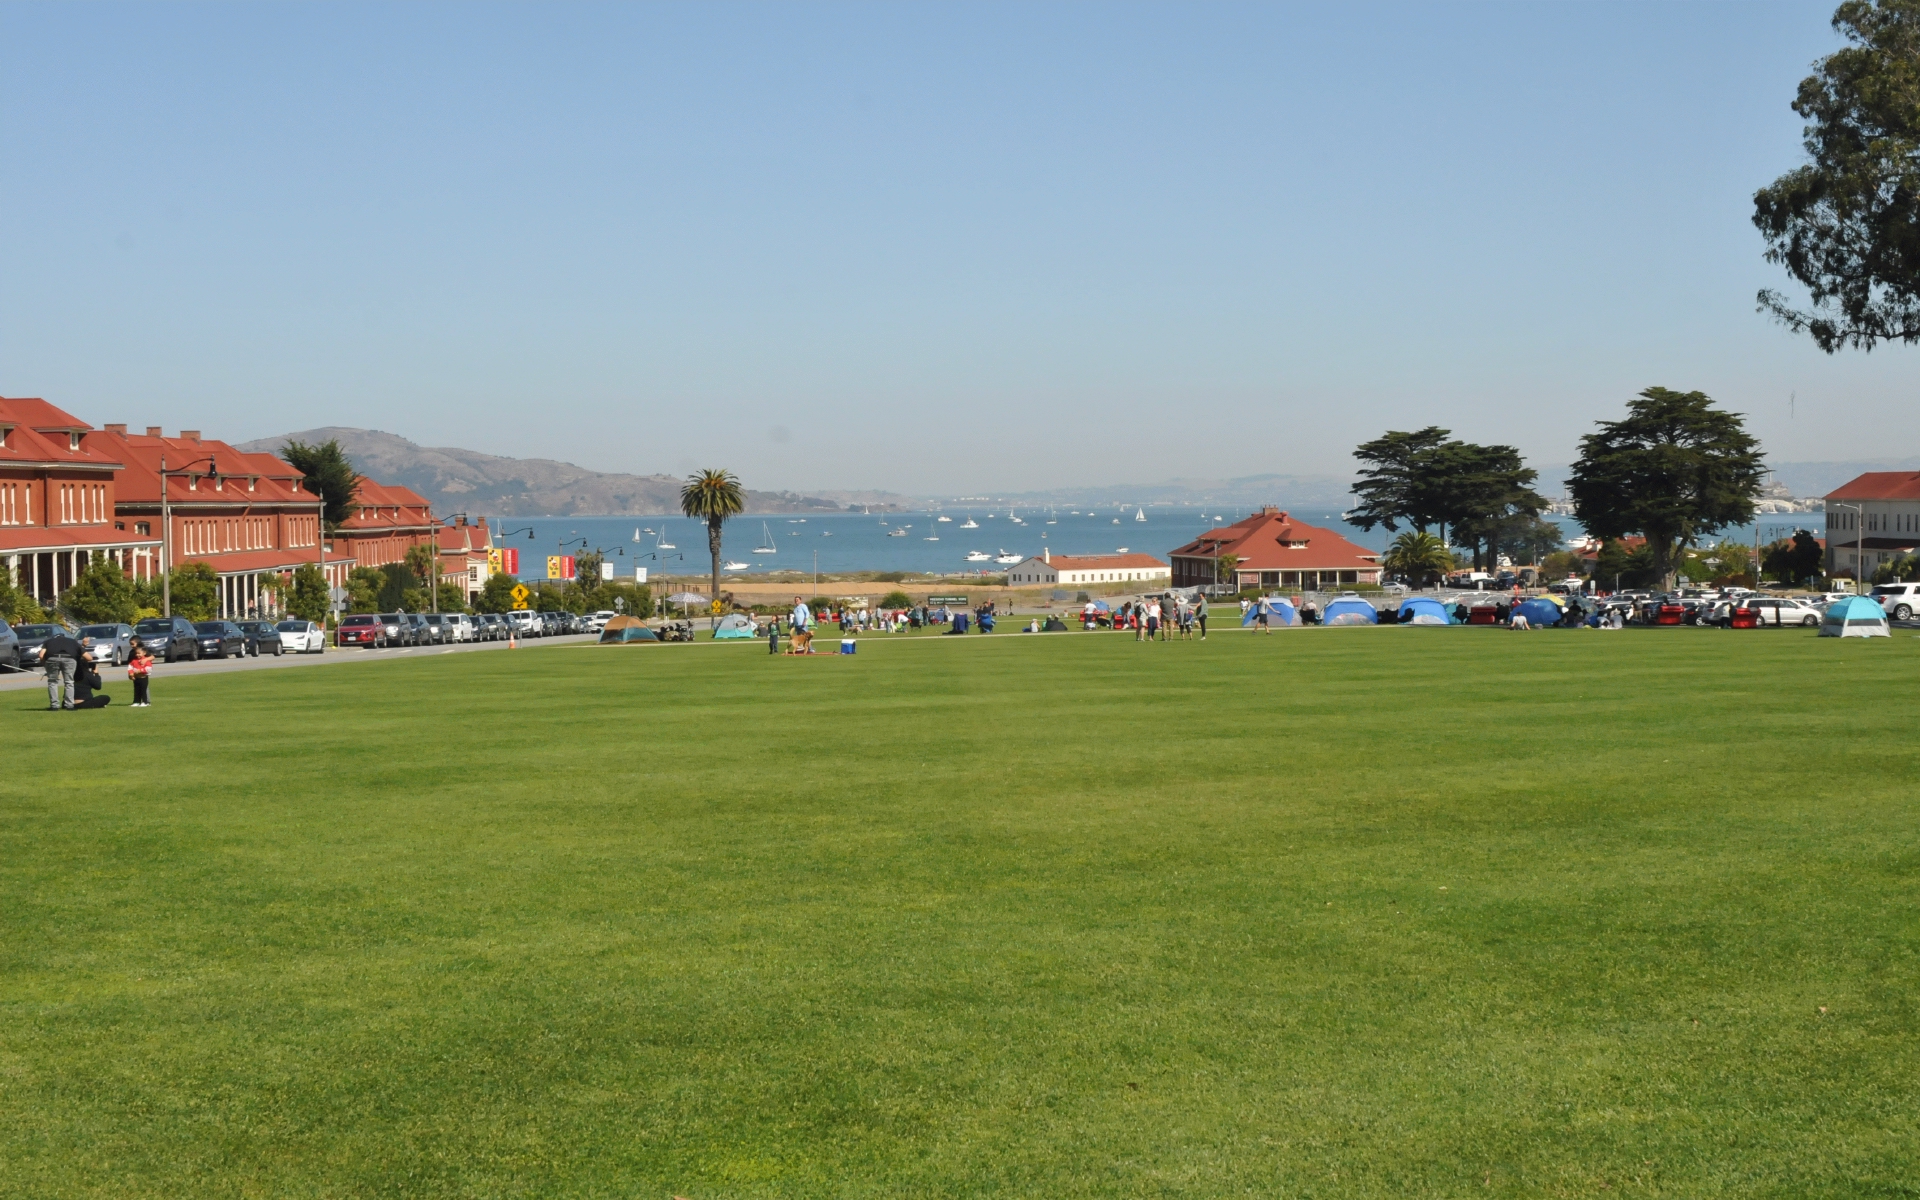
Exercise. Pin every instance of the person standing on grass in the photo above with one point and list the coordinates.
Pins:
(1153, 620)
(60, 658)
(1263, 614)
(1200, 614)
(801, 617)
(140, 670)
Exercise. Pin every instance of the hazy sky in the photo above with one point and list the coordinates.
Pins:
(934, 249)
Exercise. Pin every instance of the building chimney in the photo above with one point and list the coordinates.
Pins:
(119, 429)
(1046, 555)
(190, 435)
(154, 431)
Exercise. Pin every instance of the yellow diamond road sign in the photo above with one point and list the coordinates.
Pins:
(520, 592)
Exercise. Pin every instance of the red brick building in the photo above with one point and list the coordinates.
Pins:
(1274, 551)
(58, 502)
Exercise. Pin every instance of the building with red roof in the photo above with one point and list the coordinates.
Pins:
(1875, 517)
(58, 501)
(1274, 550)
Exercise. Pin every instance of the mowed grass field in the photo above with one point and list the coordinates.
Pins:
(1373, 912)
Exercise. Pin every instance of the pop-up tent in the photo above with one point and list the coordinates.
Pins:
(626, 629)
(1539, 611)
(1423, 610)
(1283, 613)
(1854, 616)
(1349, 610)
(734, 626)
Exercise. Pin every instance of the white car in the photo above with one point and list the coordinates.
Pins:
(302, 637)
(1769, 611)
(597, 622)
(1901, 600)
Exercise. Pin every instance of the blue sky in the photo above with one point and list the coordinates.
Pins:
(933, 249)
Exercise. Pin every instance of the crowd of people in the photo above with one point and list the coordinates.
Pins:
(1153, 618)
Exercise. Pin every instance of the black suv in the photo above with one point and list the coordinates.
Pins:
(263, 637)
(220, 638)
(399, 629)
(169, 638)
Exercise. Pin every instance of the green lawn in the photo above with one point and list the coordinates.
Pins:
(1373, 912)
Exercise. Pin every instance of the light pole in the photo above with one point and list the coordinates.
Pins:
(166, 531)
(1859, 541)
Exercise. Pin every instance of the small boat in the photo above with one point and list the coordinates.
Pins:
(943, 519)
(767, 546)
(1116, 520)
(1009, 559)
(979, 556)
(971, 524)
(896, 533)
(933, 539)
(733, 566)
(661, 542)
(826, 533)
(1139, 514)
(1120, 550)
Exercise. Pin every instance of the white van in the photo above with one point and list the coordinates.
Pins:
(460, 627)
(523, 621)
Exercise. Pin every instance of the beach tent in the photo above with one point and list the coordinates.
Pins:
(626, 629)
(1349, 610)
(1854, 616)
(1424, 610)
(1539, 611)
(1283, 614)
(734, 626)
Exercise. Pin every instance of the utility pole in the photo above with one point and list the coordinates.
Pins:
(1859, 543)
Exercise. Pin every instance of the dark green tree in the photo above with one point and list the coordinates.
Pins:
(1419, 558)
(1846, 225)
(1793, 561)
(195, 589)
(1675, 469)
(101, 595)
(307, 598)
(713, 497)
(329, 475)
(496, 595)
(397, 579)
(364, 585)
(1618, 567)
(1480, 490)
(16, 606)
(1397, 483)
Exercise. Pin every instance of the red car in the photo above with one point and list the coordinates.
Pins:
(361, 629)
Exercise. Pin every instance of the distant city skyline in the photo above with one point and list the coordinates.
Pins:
(928, 250)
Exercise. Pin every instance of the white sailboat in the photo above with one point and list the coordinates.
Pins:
(766, 547)
(1139, 514)
(661, 542)
(933, 539)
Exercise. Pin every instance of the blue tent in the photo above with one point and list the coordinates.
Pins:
(734, 625)
(1538, 611)
(1424, 610)
(1854, 616)
(1283, 613)
(1349, 610)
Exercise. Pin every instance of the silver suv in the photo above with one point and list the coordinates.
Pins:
(1901, 600)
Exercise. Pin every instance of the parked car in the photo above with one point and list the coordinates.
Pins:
(463, 627)
(397, 628)
(424, 633)
(219, 638)
(31, 637)
(9, 647)
(263, 637)
(496, 626)
(437, 622)
(361, 629)
(1901, 600)
(108, 645)
(525, 623)
(302, 637)
(168, 638)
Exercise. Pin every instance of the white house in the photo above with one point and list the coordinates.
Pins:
(1081, 569)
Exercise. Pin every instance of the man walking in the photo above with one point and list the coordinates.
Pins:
(1263, 614)
(60, 657)
(1200, 614)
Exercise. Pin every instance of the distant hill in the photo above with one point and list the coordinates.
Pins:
(454, 479)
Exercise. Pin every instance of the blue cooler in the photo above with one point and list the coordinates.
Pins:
(847, 645)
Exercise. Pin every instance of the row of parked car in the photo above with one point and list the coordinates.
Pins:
(379, 630)
(169, 639)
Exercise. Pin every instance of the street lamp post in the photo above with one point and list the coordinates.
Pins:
(166, 532)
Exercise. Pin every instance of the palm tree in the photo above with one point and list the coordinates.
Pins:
(712, 496)
(1416, 555)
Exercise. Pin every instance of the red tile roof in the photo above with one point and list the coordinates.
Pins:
(39, 436)
(16, 538)
(254, 561)
(1879, 485)
(1270, 540)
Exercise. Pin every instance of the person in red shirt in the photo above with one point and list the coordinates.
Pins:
(139, 668)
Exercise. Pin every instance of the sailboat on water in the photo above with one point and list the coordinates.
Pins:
(1139, 514)
(661, 542)
(766, 541)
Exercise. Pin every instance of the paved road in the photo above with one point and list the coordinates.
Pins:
(213, 666)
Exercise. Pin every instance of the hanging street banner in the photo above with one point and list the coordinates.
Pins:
(509, 560)
(559, 566)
